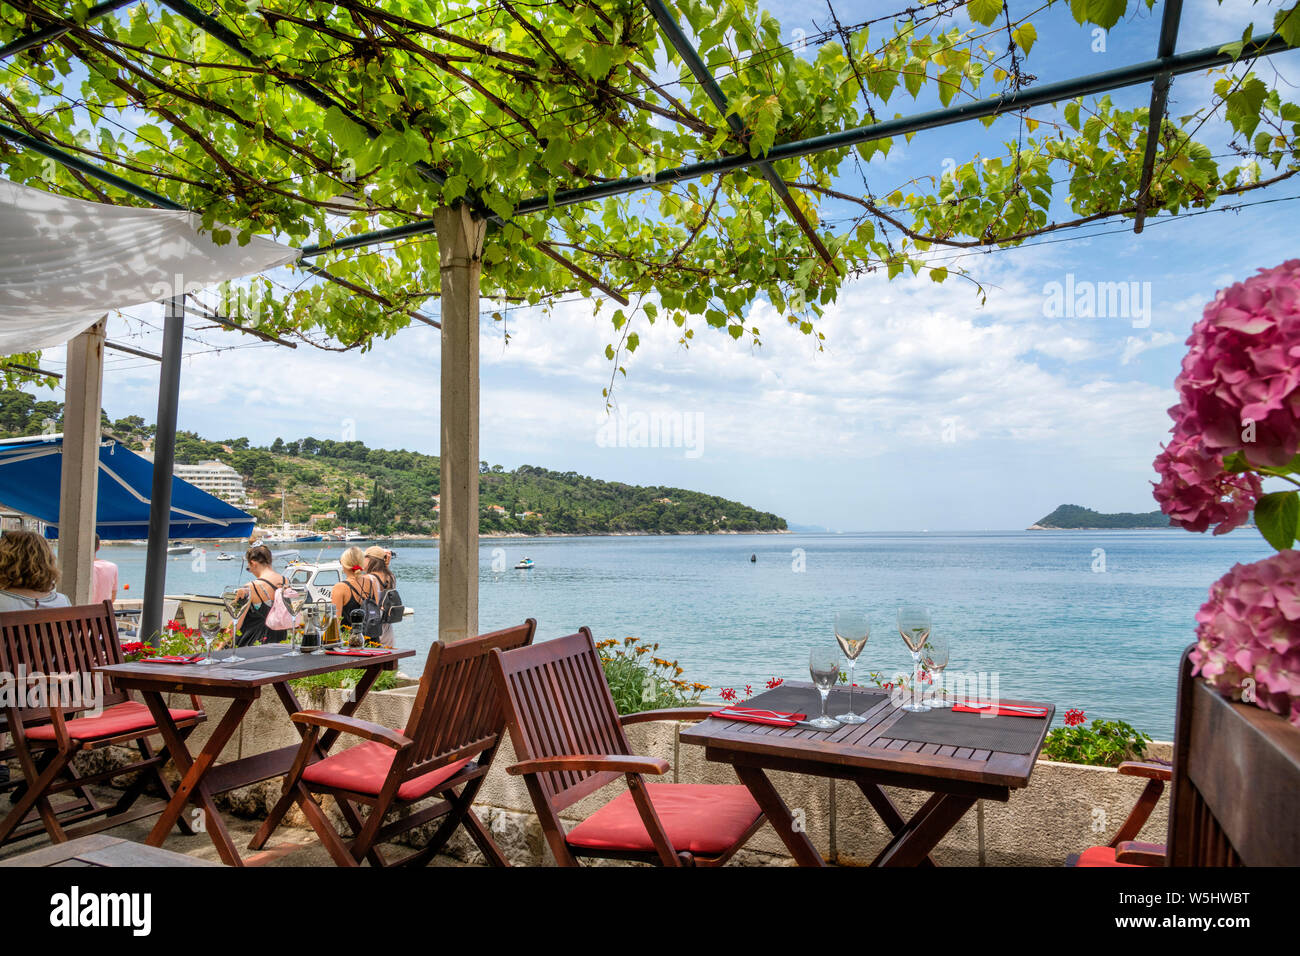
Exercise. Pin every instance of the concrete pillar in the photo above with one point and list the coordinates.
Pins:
(460, 244)
(84, 388)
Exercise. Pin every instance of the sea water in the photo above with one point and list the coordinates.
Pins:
(1087, 620)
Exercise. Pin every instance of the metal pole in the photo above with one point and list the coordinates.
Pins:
(164, 458)
(1156, 114)
(691, 57)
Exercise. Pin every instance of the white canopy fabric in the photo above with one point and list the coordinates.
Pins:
(65, 262)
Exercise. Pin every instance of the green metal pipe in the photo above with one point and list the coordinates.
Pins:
(79, 164)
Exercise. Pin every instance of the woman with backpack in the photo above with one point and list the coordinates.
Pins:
(261, 592)
(378, 567)
(357, 591)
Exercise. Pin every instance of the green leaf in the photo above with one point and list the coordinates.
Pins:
(984, 11)
(1024, 36)
(454, 188)
(1277, 516)
(1287, 23)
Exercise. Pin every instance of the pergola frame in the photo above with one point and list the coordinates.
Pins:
(460, 232)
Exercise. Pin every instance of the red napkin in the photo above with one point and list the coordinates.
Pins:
(986, 707)
(172, 659)
(363, 652)
(773, 718)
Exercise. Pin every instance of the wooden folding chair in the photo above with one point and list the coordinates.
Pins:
(570, 742)
(56, 649)
(445, 751)
(1235, 776)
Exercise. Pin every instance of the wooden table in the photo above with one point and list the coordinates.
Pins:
(201, 776)
(866, 754)
(102, 850)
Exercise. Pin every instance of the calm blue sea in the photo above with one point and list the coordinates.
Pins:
(1027, 605)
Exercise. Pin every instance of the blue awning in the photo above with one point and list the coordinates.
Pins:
(30, 473)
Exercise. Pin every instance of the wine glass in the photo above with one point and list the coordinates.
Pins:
(934, 658)
(824, 665)
(914, 628)
(851, 632)
(209, 628)
(235, 603)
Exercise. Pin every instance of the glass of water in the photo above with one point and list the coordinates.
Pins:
(209, 628)
(824, 666)
(934, 658)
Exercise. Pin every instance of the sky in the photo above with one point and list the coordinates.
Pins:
(927, 409)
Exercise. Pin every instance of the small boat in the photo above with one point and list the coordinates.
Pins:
(180, 549)
(224, 556)
(355, 536)
(525, 565)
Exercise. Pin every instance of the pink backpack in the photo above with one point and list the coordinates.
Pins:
(279, 617)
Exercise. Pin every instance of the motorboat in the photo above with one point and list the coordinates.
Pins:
(525, 565)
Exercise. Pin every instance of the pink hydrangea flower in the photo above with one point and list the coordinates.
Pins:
(1248, 634)
(1196, 492)
(1243, 367)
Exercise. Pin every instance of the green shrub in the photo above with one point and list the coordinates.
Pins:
(640, 681)
(387, 680)
(1106, 743)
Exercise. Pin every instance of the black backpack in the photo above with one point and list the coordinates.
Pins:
(369, 617)
(393, 608)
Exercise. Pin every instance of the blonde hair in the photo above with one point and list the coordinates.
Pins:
(27, 562)
(352, 559)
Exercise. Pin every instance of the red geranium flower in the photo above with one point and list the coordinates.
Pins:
(1073, 717)
(775, 682)
(728, 694)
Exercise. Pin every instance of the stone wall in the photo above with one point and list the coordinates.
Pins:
(1066, 807)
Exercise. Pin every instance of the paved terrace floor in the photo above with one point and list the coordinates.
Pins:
(289, 846)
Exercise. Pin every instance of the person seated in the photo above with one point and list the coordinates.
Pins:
(28, 574)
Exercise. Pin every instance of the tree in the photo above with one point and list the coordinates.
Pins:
(500, 105)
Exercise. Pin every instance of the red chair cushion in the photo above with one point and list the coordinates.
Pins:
(706, 819)
(118, 719)
(1099, 856)
(364, 769)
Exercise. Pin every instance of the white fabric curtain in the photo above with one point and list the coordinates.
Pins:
(66, 262)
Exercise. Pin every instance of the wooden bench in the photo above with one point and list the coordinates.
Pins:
(57, 650)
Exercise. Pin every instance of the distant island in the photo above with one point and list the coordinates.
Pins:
(1076, 517)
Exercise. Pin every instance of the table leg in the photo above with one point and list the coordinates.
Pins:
(886, 810)
(193, 769)
(779, 815)
(913, 843)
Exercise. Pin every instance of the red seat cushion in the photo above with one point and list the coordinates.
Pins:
(1099, 856)
(115, 720)
(364, 769)
(706, 819)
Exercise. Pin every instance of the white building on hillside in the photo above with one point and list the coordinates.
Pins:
(216, 478)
